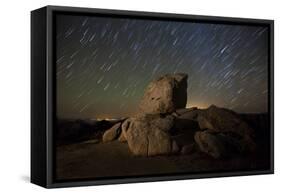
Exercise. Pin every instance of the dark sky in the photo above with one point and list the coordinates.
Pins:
(104, 64)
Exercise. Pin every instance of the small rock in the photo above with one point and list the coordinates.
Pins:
(112, 133)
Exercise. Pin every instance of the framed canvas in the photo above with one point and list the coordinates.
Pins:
(125, 96)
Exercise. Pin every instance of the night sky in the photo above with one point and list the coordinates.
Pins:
(104, 64)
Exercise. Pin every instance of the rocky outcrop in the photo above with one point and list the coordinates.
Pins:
(225, 121)
(164, 126)
(220, 144)
(165, 94)
(112, 133)
(148, 134)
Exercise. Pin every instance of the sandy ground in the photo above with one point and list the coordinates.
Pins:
(98, 160)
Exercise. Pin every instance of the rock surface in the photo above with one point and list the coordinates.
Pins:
(223, 120)
(122, 137)
(112, 133)
(220, 144)
(188, 149)
(148, 135)
(185, 124)
(188, 114)
(209, 143)
(204, 123)
(165, 94)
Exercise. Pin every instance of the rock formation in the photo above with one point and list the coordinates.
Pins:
(164, 126)
(165, 94)
(229, 124)
(224, 120)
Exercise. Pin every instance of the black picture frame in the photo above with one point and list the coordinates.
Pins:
(43, 93)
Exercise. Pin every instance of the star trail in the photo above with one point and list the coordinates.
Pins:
(104, 64)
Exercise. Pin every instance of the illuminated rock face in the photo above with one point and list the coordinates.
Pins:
(112, 133)
(165, 94)
(148, 135)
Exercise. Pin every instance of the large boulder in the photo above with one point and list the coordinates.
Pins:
(225, 132)
(112, 133)
(223, 120)
(220, 144)
(148, 134)
(165, 94)
(210, 144)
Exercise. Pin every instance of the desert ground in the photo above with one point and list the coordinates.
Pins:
(95, 159)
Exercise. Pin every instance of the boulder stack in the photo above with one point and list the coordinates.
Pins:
(164, 125)
(165, 94)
